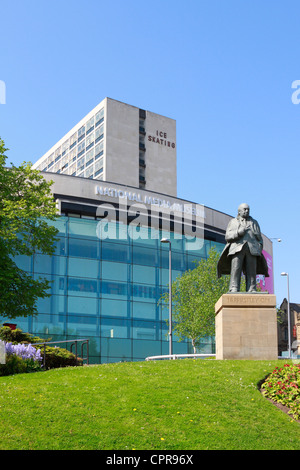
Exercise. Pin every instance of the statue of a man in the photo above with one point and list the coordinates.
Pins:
(243, 252)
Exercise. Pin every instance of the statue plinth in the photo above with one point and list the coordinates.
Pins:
(246, 326)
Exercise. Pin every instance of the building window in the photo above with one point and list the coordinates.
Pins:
(99, 133)
(99, 117)
(81, 133)
(89, 126)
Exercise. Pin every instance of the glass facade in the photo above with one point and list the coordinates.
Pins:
(108, 290)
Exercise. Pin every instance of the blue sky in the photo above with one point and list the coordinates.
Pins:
(223, 69)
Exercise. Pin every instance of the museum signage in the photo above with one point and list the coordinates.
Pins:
(187, 208)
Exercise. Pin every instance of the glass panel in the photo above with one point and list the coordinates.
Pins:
(83, 287)
(49, 264)
(53, 304)
(148, 237)
(145, 330)
(144, 310)
(84, 326)
(23, 262)
(60, 224)
(143, 292)
(61, 247)
(114, 308)
(82, 228)
(115, 271)
(82, 305)
(84, 248)
(44, 325)
(83, 267)
(164, 276)
(143, 349)
(115, 252)
(116, 347)
(115, 328)
(145, 256)
(116, 290)
(144, 274)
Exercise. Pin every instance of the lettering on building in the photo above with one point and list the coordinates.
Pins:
(161, 138)
(191, 209)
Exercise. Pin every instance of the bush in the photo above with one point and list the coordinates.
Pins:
(18, 336)
(59, 357)
(54, 357)
(283, 386)
(16, 365)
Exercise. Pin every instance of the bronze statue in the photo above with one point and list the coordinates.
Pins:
(243, 251)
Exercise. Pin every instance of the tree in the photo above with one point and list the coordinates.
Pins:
(26, 207)
(194, 296)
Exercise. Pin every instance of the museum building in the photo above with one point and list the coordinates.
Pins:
(110, 267)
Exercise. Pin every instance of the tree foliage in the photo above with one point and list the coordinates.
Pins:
(26, 207)
(194, 295)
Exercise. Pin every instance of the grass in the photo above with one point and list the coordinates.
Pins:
(167, 405)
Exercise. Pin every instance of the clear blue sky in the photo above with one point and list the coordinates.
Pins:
(222, 68)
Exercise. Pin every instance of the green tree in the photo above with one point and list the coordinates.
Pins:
(194, 296)
(26, 207)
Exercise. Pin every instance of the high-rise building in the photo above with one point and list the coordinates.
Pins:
(119, 143)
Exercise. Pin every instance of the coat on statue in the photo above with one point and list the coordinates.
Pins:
(235, 244)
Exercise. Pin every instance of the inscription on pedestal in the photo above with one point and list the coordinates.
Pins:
(246, 327)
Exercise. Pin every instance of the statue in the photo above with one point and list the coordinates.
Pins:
(243, 251)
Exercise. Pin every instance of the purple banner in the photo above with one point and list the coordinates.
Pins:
(266, 283)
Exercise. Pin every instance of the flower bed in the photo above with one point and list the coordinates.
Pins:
(20, 358)
(283, 386)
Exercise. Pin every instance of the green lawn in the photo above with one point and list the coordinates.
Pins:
(171, 405)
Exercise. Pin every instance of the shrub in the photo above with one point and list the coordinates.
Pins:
(20, 358)
(59, 357)
(18, 336)
(283, 386)
(54, 357)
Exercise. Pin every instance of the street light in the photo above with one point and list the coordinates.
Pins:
(277, 239)
(289, 313)
(165, 240)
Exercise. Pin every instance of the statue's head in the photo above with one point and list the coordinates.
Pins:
(244, 210)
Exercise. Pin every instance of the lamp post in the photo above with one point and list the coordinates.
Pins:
(289, 313)
(165, 240)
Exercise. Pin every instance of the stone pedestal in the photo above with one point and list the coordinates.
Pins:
(246, 326)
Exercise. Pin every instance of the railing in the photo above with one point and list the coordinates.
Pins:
(175, 356)
(74, 342)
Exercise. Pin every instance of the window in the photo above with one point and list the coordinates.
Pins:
(80, 164)
(65, 147)
(90, 140)
(98, 172)
(81, 148)
(99, 117)
(81, 133)
(99, 165)
(90, 125)
(72, 155)
(89, 171)
(99, 150)
(99, 133)
(73, 140)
